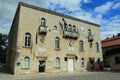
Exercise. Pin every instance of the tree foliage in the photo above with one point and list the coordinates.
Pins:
(3, 47)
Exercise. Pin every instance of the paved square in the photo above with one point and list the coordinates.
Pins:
(63, 76)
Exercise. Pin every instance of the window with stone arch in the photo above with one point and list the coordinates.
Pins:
(57, 62)
(97, 47)
(26, 63)
(43, 22)
(57, 43)
(81, 46)
(89, 31)
(73, 28)
(27, 39)
(69, 28)
(82, 62)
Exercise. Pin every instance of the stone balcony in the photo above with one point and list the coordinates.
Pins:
(67, 34)
(90, 38)
(74, 35)
(42, 29)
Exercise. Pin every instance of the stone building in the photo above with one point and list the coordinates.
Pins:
(111, 52)
(42, 40)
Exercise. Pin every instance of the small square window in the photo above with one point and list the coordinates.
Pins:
(117, 60)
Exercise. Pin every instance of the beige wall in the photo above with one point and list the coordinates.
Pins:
(113, 65)
(12, 44)
(29, 21)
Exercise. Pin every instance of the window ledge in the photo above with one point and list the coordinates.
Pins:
(82, 51)
(82, 65)
(57, 67)
(57, 49)
(27, 47)
(26, 68)
(43, 26)
(97, 51)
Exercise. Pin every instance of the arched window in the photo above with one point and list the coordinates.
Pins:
(27, 39)
(26, 62)
(73, 28)
(81, 46)
(43, 22)
(97, 47)
(57, 43)
(82, 61)
(57, 60)
(55, 27)
(89, 32)
(69, 27)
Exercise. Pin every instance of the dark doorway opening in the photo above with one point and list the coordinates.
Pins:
(41, 66)
(92, 63)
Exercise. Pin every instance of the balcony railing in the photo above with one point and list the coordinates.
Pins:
(43, 29)
(90, 38)
(67, 34)
(75, 35)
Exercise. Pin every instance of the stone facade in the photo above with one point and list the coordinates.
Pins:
(54, 42)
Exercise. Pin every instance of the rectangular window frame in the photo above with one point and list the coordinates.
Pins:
(117, 60)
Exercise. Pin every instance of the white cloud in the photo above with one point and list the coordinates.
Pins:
(5, 28)
(104, 8)
(107, 34)
(74, 5)
(117, 5)
(71, 5)
(86, 1)
(7, 12)
(110, 27)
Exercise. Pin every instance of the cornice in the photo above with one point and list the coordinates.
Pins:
(55, 13)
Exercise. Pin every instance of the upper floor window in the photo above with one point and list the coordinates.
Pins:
(73, 28)
(57, 43)
(97, 47)
(69, 27)
(81, 46)
(117, 60)
(43, 22)
(27, 39)
(89, 32)
(26, 62)
(57, 62)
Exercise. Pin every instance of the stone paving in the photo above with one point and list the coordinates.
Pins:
(63, 76)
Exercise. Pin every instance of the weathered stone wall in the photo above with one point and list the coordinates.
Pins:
(29, 21)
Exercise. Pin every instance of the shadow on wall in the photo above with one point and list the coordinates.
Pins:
(3, 69)
(94, 66)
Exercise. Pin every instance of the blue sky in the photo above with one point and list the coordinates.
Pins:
(103, 12)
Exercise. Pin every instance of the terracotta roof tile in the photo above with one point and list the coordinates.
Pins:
(111, 41)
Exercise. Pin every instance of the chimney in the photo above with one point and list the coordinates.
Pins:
(118, 34)
(107, 38)
(113, 36)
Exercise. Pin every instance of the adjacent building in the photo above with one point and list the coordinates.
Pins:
(42, 40)
(111, 52)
